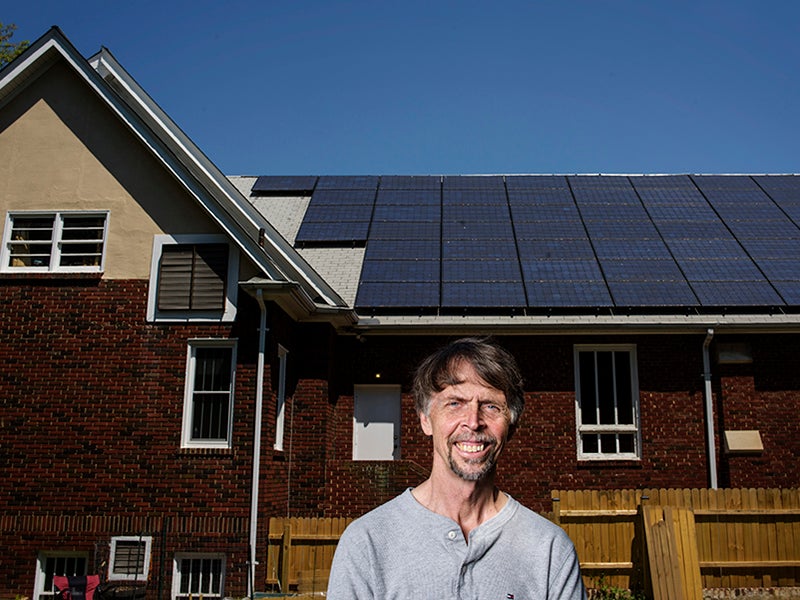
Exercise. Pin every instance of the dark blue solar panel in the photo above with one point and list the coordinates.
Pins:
(706, 248)
(400, 270)
(408, 197)
(397, 295)
(664, 182)
(789, 290)
(544, 212)
(780, 270)
(475, 230)
(652, 293)
(483, 249)
(554, 196)
(399, 212)
(630, 249)
(474, 197)
(621, 212)
(532, 230)
(481, 270)
(543, 249)
(473, 182)
(337, 197)
(568, 294)
(686, 212)
(775, 249)
(693, 230)
(641, 269)
(347, 182)
(721, 270)
(618, 229)
(536, 182)
(762, 229)
(585, 182)
(406, 249)
(475, 212)
(505, 294)
(342, 212)
(411, 182)
(400, 230)
(284, 183)
(561, 270)
(724, 182)
(735, 293)
(332, 231)
(748, 210)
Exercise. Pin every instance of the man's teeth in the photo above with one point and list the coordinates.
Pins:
(470, 447)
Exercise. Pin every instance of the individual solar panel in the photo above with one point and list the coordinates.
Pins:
(475, 212)
(536, 182)
(583, 182)
(408, 197)
(631, 248)
(402, 294)
(475, 230)
(483, 249)
(332, 232)
(509, 294)
(339, 197)
(748, 210)
(640, 269)
(478, 196)
(481, 270)
(300, 184)
(735, 293)
(687, 212)
(400, 270)
(561, 270)
(710, 248)
(411, 230)
(786, 249)
(407, 249)
(544, 249)
(573, 229)
(542, 196)
(693, 230)
(652, 293)
(343, 212)
(789, 291)
(762, 229)
(473, 182)
(724, 182)
(721, 270)
(347, 182)
(400, 212)
(410, 182)
(607, 211)
(544, 212)
(567, 294)
(664, 182)
(619, 229)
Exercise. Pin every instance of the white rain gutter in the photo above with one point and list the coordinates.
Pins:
(712, 453)
(262, 342)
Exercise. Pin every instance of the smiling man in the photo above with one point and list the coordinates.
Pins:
(456, 536)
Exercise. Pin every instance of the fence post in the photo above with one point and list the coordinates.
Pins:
(286, 556)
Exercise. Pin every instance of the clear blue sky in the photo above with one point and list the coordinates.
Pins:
(459, 87)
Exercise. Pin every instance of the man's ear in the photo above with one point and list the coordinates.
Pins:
(425, 423)
(512, 428)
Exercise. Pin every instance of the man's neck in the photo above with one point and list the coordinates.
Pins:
(468, 503)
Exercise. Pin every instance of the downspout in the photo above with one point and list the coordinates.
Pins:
(262, 341)
(712, 453)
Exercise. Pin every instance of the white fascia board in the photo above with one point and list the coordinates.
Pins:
(576, 324)
(289, 264)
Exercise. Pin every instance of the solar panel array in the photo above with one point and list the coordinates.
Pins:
(573, 243)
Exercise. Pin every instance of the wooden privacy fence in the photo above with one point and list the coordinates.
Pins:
(741, 537)
(300, 553)
(674, 542)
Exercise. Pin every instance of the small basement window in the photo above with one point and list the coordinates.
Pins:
(130, 558)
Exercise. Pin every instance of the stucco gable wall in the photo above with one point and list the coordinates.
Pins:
(61, 148)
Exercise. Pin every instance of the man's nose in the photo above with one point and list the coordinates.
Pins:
(473, 418)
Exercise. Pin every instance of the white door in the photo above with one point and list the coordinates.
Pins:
(376, 422)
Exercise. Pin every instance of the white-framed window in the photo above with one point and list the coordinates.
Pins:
(193, 278)
(198, 576)
(130, 558)
(607, 402)
(54, 242)
(280, 408)
(376, 422)
(208, 401)
(52, 564)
